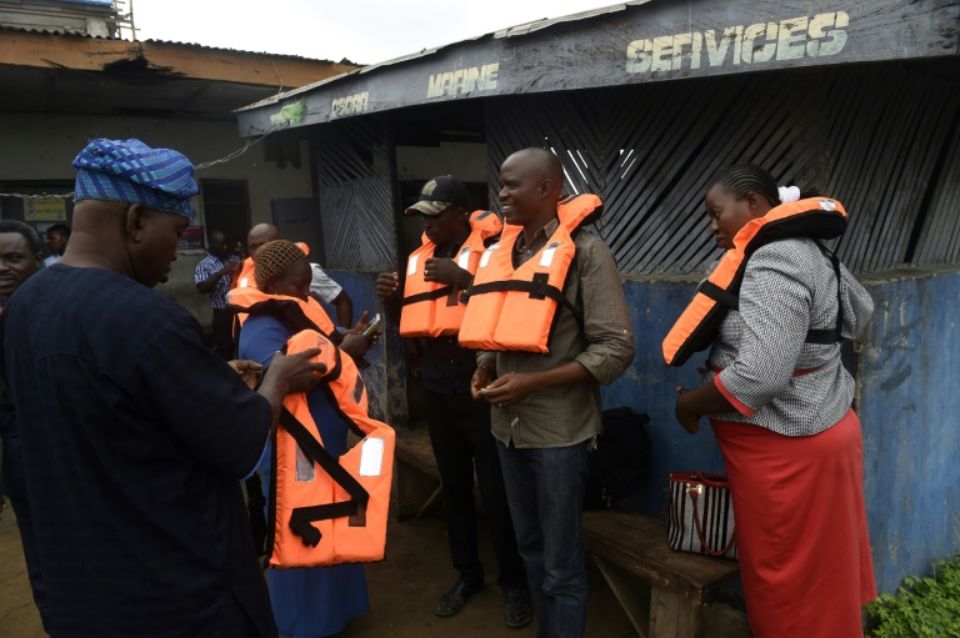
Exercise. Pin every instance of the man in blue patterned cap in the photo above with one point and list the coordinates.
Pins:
(135, 436)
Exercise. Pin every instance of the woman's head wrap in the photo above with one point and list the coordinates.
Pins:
(275, 258)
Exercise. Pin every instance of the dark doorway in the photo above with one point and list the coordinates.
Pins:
(226, 207)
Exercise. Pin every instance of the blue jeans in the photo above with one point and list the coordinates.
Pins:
(545, 489)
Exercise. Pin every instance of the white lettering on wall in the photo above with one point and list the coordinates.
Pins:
(822, 35)
(463, 81)
(349, 105)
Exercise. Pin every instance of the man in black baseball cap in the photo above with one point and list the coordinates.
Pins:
(438, 195)
(460, 427)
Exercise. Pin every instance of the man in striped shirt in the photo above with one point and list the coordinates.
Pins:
(213, 276)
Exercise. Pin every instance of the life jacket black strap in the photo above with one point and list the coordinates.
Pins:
(826, 336)
(538, 288)
(427, 296)
(835, 335)
(718, 294)
(302, 517)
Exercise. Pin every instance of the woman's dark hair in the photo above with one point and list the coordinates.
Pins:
(742, 179)
(31, 235)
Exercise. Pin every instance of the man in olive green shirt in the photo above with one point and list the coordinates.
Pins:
(546, 408)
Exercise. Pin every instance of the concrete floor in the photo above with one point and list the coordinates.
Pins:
(403, 590)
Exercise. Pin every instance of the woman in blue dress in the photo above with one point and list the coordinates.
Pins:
(317, 601)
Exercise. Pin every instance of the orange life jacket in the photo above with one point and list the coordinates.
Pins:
(697, 327)
(340, 513)
(514, 308)
(431, 309)
(322, 510)
(245, 278)
(250, 301)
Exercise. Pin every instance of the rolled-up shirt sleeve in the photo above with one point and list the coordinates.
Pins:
(606, 319)
(775, 312)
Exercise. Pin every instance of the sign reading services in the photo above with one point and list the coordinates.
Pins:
(822, 35)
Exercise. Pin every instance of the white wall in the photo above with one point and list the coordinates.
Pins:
(42, 147)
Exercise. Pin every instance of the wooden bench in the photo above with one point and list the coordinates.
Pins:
(417, 487)
(664, 593)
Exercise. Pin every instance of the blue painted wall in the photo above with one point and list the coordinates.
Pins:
(909, 376)
(385, 378)
(910, 408)
(909, 405)
(649, 386)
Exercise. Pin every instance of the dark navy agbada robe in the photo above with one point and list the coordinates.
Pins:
(135, 438)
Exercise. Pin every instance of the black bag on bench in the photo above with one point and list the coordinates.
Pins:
(620, 462)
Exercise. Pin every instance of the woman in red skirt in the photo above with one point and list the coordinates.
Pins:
(781, 410)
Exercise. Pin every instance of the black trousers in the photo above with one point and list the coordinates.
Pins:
(222, 326)
(462, 442)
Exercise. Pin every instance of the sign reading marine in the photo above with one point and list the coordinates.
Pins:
(822, 35)
(463, 81)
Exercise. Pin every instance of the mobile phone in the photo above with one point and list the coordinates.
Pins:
(373, 326)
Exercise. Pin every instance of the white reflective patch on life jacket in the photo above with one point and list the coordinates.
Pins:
(828, 204)
(371, 456)
(487, 254)
(412, 264)
(464, 259)
(304, 467)
(244, 283)
(546, 259)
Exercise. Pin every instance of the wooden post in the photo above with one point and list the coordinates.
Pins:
(672, 616)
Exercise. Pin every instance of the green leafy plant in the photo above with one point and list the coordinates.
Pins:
(922, 607)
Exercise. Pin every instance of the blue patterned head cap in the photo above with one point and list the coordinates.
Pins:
(131, 171)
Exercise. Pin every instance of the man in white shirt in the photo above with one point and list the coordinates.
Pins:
(57, 236)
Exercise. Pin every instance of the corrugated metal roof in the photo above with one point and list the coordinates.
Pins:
(510, 32)
(186, 45)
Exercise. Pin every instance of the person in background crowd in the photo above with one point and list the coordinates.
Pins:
(20, 252)
(546, 408)
(780, 409)
(459, 426)
(322, 287)
(57, 236)
(213, 277)
(318, 601)
(135, 436)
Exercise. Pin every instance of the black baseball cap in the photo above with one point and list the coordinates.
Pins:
(439, 194)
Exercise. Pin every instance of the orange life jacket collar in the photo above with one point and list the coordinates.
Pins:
(815, 217)
(514, 308)
(297, 314)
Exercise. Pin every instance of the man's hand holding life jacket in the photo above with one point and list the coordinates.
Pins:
(289, 374)
(446, 271)
(249, 371)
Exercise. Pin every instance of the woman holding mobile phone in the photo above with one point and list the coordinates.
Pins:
(317, 601)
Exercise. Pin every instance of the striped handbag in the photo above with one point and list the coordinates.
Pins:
(701, 515)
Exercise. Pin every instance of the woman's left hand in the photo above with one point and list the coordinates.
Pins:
(689, 420)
